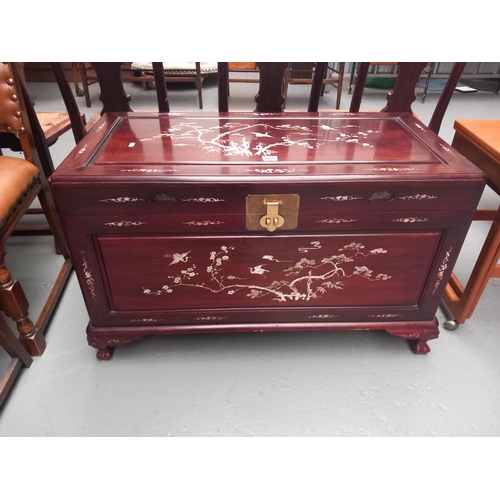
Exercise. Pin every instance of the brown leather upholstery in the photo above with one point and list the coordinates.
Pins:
(16, 177)
(10, 117)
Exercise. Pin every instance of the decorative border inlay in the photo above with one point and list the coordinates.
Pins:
(272, 170)
(204, 200)
(409, 220)
(392, 169)
(145, 320)
(447, 149)
(335, 221)
(210, 318)
(88, 276)
(322, 316)
(81, 151)
(122, 199)
(342, 198)
(418, 197)
(124, 223)
(150, 170)
(203, 223)
(384, 315)
(420, 126)
(441, 270)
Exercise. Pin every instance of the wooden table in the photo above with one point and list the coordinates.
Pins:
(242, 222)
(479, 141)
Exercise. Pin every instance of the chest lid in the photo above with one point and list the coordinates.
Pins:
(310, 146)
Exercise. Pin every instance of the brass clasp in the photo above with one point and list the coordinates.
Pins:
(272, 211)
(272, 220)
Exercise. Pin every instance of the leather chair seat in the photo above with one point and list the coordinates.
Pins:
(17, 176)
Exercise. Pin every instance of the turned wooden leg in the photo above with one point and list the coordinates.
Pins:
(15, 305)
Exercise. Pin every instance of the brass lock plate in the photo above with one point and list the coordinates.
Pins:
(271, 212)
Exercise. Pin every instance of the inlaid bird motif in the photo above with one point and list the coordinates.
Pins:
(260, 134)
(178, 257)
(258, 269)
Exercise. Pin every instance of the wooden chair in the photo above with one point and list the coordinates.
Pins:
(21, 181)
(403, 95)
(113, 95)
(270, 97)
(20, 358)
(10, 136)
(331, 77)
(53, 123)
(137, 73)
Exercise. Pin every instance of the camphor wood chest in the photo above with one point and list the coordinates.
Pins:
(202, 223)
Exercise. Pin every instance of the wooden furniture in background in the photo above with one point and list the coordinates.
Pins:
(401, 97)
(271, 94)
(331, 76)
(141, 72)
(479, 141)
(113, 95)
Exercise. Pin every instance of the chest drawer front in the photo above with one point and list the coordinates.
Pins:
(203, 198)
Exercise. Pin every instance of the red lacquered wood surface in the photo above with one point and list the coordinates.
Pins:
(154, 206)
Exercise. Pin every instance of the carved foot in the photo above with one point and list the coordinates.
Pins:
(419, 346)
(417, 334)
(105, 353)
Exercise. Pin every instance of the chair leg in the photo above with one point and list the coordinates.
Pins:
(49, 210)
(462, 305)
(19, 355)
(14, 303)
(199, 84)
(340, 84)
(10, 343)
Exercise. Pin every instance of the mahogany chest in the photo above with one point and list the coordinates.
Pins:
(199, 223)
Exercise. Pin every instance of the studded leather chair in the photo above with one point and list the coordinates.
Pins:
(21, 181)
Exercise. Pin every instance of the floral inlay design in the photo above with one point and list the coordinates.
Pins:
(124, 223)
(260, 139)
(145, 320)
(203, 223)
(204, 200)
(335, 221)
(122, 199)
(305, 280)
(410, 220)
(420, 126)
(342, 198)
(418, 197)
(89, 279)
(441, 270)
